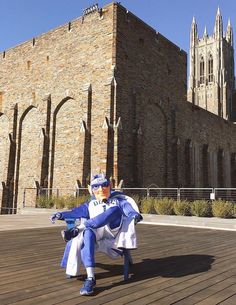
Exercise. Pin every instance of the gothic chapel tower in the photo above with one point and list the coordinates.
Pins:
(211, 78)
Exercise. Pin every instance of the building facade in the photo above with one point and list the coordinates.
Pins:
(105, 93)
(212, 80)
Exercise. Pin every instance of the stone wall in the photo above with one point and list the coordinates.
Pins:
(104, 93)
(151, 80)
(204, 129)
(165, 140)
(55, 97)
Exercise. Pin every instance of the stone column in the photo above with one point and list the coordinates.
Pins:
(85, 137)
(103, 131)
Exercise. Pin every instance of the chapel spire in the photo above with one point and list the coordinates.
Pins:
(218, 29)
(193, 33)
(205, 33)
(229, 33)
(211, 70)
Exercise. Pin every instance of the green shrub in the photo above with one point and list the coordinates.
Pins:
(137, 200)
(201, 208)
(222, 209)
(59, 202)
(182, 208)
(164, 206)
(146, 205)
(44, 202)
(72, 202)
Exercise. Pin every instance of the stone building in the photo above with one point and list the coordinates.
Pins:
(211, 80)
(105, 92)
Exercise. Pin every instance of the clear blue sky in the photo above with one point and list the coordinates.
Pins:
(20, 20)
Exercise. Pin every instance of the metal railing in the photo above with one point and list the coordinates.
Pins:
(30, 195)
(5, 207)
(192, 194)
(8, 210)
(225, 194)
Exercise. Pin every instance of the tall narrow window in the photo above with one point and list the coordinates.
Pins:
(202, 68)
(220, 168)
(28, 64)
(205, 166)
(1, 100)
(188, 163)
(210, 69)
(233, 171)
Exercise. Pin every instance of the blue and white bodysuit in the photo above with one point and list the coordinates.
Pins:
(109, 226)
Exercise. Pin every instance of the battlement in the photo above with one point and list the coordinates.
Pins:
(59, 34)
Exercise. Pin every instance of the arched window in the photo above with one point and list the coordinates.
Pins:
(210, 69)
(202, 68)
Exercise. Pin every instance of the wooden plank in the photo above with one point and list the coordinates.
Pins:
(220, 296)
(172, 265)
(230, 301)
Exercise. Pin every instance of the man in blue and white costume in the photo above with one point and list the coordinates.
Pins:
(107, 225)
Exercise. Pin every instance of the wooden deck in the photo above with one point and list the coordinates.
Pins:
(173, 265)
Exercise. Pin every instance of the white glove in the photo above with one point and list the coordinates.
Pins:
(81, 227)
(55, 217)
